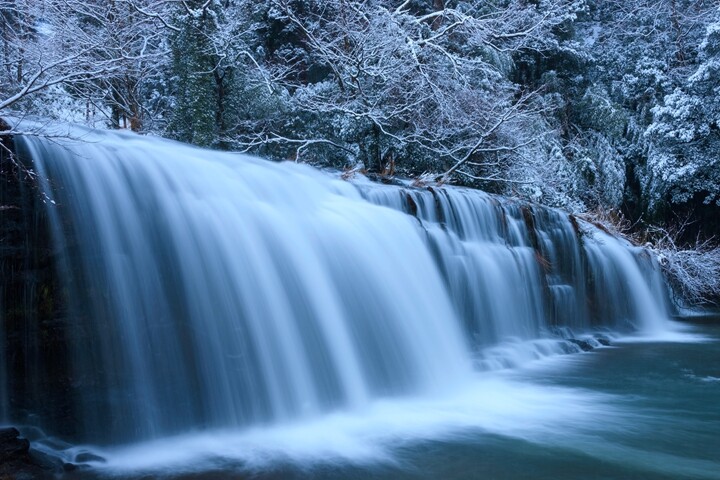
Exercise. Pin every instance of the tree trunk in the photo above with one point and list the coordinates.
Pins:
(438, 6)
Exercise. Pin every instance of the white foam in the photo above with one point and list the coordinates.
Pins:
(673, 332)
(489, 404)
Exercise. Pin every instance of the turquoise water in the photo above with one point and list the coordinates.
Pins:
(638, 409)
(662, 421)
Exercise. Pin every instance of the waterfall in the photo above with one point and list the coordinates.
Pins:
(517, 270)
(4, 416)
(216, 290)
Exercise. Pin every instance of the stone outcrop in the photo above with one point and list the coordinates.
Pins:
(17, 462)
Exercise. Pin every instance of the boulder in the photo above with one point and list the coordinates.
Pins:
(583, 344)
(16, 460)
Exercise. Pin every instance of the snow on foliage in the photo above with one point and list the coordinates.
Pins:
(583, 104)
(685, 133)
(693, 270)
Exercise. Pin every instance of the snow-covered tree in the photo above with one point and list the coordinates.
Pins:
(577, 103)
(684, 163)
(214, 65)
(77, 59)
(390, 82)
(42, 53)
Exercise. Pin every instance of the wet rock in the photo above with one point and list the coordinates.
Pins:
(33, 305)
(375, 177)
(16, 460)
(568, 347)
(583, 344)
(82, 461)
(11, 445)
(86, 457)
(44, 460)
(411, 205)
(603, 340)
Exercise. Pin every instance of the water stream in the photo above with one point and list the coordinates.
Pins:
(230, 312)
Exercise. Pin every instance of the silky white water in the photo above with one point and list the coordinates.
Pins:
(228, 305)
(489, 405)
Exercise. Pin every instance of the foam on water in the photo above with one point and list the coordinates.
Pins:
(490, 406)
(487, 405)
(672, 332)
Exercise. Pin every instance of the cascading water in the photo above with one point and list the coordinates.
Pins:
(214, 290)
(517, 271)
(4, 417)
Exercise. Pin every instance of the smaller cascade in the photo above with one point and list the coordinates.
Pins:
(485, 255)
(620, 290)
(559, 251)
(518, 272)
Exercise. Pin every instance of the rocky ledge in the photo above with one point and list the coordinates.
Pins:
(17, 462)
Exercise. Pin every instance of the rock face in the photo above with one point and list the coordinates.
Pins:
(32, 303)
(16, 461)
(11, 445)
(584, 345)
